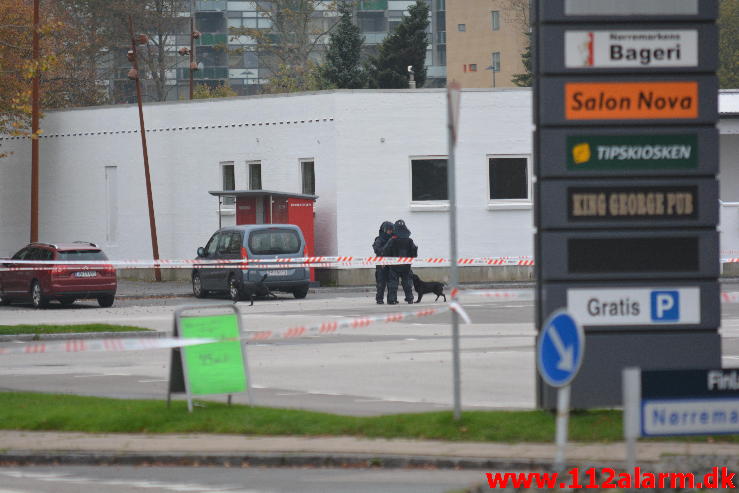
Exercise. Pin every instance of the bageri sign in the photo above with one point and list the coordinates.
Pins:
(611, 49)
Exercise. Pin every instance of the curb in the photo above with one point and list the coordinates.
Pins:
(82, 335)
(266, 459)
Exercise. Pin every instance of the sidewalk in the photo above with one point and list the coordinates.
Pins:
(28, 447)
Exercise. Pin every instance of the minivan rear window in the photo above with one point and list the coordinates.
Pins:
(82, 255)
(274, 241)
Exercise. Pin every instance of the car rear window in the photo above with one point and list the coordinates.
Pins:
(274, 242)
(82, 255)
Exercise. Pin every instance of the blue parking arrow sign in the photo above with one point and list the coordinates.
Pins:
(560, 349)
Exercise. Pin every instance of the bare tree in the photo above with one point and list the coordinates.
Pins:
(294, 34)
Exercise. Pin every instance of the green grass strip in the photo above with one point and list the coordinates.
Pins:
(63, 412)
(66, 329)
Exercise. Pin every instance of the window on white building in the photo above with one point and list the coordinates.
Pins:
(429, 179)
(461, 27)
(255, 175)
(509, 179)
(229, 180)
(495, 17)
(308, 176)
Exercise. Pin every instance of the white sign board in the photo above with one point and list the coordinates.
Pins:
(635, 306)
(690, 416)
(642, 49)
(631, 7)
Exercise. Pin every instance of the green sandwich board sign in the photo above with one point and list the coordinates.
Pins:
(218, 368)
(633, 152)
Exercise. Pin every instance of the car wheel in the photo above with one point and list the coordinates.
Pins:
(67, 301)
(300, 293)
(234, 292)
(37, 296)
(106, 300)
(4, 300)
(197, 286)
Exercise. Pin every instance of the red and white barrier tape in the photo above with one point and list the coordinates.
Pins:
(275, 263)
(138, 344)
(353, 323)
(97, 345)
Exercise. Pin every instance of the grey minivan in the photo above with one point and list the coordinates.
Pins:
(253, 241)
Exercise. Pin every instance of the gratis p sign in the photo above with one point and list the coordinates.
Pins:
(560, 349)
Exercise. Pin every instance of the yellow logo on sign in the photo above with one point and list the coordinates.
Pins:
(581, 153)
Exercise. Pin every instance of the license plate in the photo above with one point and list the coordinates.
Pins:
(86, 273)
(279, 272)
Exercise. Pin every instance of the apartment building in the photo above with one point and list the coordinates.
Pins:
(234, 61)
(485, 40)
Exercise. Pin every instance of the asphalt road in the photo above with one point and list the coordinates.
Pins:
(383, 368)
(72, 479)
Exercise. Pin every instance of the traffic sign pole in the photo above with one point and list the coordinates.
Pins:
(563, 417)
(559, 354)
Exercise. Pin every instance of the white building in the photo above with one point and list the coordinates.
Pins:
(374, 155)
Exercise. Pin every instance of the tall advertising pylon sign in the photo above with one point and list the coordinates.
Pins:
(626, 158)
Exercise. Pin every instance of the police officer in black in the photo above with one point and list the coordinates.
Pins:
(400, 245)
(382, 272)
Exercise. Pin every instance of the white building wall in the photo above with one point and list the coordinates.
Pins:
(361, 141)
(378, 133)
(729, 191)
(187, 141)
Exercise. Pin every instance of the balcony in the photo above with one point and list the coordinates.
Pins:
(372, 4)
(208, 39)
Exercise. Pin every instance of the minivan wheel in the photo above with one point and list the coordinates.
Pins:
(37, 297)
(106, 300)
(300, 293)
(234, 293)
(197, 286)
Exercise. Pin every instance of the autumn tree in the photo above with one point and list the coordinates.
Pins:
(406, 46)
(291, 46)
(15, 70)
(17, 66)
(81, 54)
(205, 91)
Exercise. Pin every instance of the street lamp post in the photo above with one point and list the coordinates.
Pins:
(191, 51)
(135, 75)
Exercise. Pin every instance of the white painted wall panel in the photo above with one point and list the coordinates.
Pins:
(361, 142)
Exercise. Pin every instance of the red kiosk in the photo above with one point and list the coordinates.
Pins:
(270, 207)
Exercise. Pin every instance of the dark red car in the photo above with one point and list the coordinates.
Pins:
(41, 283)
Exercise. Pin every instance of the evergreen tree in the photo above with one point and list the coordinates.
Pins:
(342, 67)
(406, 46)
(525, 79)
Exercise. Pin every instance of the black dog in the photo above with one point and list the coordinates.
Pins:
(423, 287)
(260, 289)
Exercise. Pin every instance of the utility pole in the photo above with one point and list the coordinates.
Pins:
(134, 74)
(35, 125)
